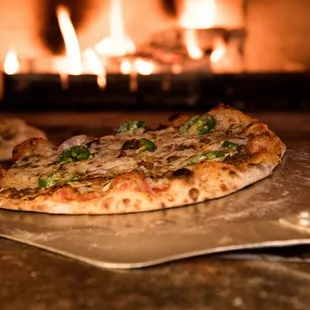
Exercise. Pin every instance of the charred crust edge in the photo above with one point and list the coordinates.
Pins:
(174, 117)
(182, 173)
(193, 194)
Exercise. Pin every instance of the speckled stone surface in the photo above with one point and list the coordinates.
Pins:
(33, 279)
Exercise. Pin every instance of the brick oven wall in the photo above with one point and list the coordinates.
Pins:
(278, 35)
(277, 30)
(18, 27)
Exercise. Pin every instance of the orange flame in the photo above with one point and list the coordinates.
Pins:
(126, 66)
(219, 52)
(137, 66)
(96, 67)
(11, 64)
(193, 50)
(73, 61)
(197, 14)
(144, 67)
(118, 44)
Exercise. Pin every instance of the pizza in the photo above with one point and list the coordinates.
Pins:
(186, 160)
(12, 132)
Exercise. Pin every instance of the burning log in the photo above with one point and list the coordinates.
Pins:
(172, 46)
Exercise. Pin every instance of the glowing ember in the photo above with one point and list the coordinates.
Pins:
(176, 69)
(192, 47)
(144, 67)
(73, 61)
(118, 44)
(11, 64)
(126, 66)
(96, 67)
(137, 66)
(219, 52)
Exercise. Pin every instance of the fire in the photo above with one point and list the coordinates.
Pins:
(74, 65)
(219, 52)
(197, 14)
(144, 67)
(126, 66)
(139, 65)
(135, 67)
(96, 67)
(11, 64)
(118, 44)
(116, 53)
(193, 50)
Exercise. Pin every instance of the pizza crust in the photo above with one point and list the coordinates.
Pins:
(209, 181)
(137, 191)
(14, 131)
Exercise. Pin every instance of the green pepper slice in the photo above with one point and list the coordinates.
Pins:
(131, 127)
(47, 181)
(198, 125)
(230, 144)
(147, 145)
(206, 156)
(54, 178)
(74, 153)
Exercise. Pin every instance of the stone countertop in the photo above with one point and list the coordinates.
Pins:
(33, 279)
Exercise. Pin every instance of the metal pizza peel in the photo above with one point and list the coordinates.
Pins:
(274, 212)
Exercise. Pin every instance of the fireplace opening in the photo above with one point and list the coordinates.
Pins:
(154, 54)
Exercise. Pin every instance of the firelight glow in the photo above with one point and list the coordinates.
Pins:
(11, 64)
(125, 66)
(117, 44)
(139, 65)
(193, 50)
(219, 52)
(197, 14)
(96, 67)
(144, 67)
(73, 60)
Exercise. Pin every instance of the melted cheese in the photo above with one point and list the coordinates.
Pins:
(173, 152)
